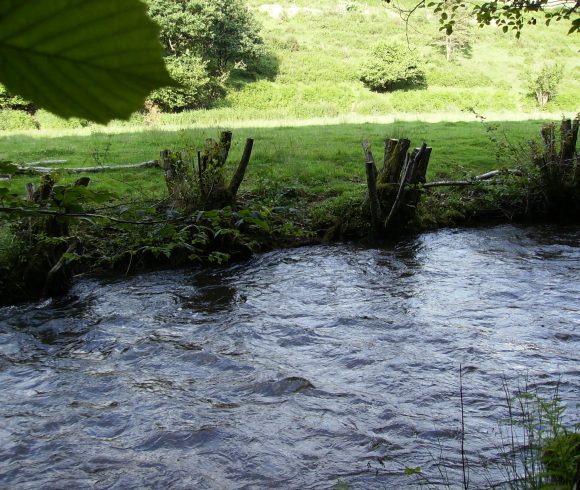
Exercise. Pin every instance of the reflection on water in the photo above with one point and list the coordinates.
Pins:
(296, 370)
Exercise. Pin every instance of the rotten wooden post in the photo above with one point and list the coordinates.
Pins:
(394, 160)
(409, 174)
(387, 188)
(371, 171)
(199, 181)
(238, 177)
(558, 167)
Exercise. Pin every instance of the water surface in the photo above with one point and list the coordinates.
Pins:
(299, 369)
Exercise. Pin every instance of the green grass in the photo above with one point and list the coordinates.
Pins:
(319, 160)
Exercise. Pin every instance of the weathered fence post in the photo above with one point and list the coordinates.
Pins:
(387, 187)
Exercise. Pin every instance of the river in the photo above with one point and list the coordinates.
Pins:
(304, 368)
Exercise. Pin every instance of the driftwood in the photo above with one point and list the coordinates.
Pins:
(31, 170)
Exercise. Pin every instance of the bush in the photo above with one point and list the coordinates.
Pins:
(289, 43)
(9, 101)
(197, 89)
(544, 82)
(392, 67)
(47, 120)
(12, 119)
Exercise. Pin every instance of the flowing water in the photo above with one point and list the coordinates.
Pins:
(299, 369)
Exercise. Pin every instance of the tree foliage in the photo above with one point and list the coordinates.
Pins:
(510, 15)
(223, 33)
(390, 67)
(95, 60)
(543, 82)
(460, 39)
(203, 41)
(196, 87)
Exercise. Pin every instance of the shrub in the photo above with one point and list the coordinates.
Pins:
(47, 120)
(544, 82)
(197, 89)
(391, 67)
(9, 101)
(289, 43)
(12, 119)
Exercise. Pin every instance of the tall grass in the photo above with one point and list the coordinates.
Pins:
(538, 446)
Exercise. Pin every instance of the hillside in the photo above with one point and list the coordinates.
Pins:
(316, 53)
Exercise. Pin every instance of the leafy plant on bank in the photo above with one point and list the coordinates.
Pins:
(540, 451)
(390, 67)
(537, 449)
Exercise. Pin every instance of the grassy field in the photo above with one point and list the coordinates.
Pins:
(323, 161)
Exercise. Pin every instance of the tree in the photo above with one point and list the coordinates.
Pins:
(224, 33)
(508, 14)
(460, 38)
(544, 82)
(81, 58)
(203, 41)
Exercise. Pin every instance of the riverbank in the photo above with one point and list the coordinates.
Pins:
(304, 185)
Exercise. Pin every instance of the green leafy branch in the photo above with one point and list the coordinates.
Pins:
(81, 58)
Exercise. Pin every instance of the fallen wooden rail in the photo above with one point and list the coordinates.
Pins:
(29, 169)
(478, 179)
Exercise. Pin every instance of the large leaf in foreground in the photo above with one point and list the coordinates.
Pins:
(95, 59)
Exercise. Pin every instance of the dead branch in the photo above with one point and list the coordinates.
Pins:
(73, 244)
(27, 170)
(478, 179)
(45, 162)
(238, 177)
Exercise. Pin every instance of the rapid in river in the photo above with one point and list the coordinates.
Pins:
(301, 368)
